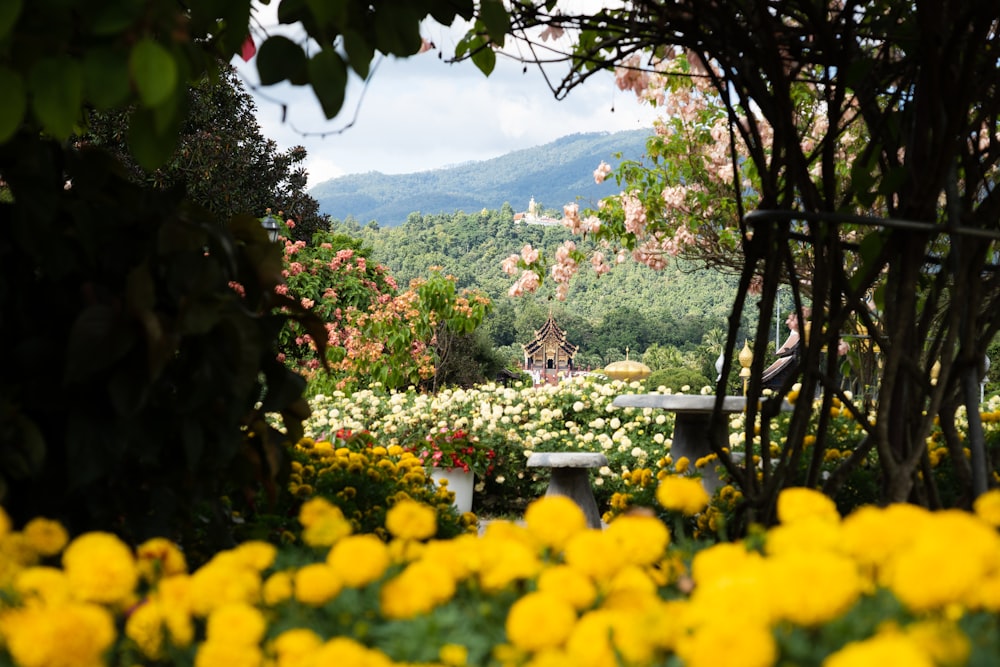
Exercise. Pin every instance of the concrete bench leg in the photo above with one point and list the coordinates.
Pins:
(574, 483)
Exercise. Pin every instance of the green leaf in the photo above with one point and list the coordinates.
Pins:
(15, 103)
(154, 72)
(237, 16)
(106, 79)
(444, 12)
(496, 20)
(149, 147)
(359, 52)
(485, 60)
(328, 75)
(397, 29)
(278, 59)
(56, 86)
(9, 11)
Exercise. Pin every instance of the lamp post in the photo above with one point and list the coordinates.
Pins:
(746, 360)
(272, 226)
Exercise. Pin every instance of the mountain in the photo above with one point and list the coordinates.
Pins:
(554, 174)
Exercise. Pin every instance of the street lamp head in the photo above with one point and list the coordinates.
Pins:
(272, 226)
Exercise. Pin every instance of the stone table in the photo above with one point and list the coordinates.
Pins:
(692, 437)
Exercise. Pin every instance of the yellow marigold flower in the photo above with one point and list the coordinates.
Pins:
(454, 655)
(810, 588)
(256, 554)
(553, 520)
(941, 639)
(602, 635)
(595, 554)
(346, 651)
(293, 647)
(411, 520)
(568, 583)
(213, 654)
(540, 620)
(682, 465)
(507, 561)
(641, 539)
(631, 587)
(798, 502)
(45, 536)
(987, 507)
(872, 535)
(237, 623)
(48, 585)
(731, 644)
(316, 584)
(359, 559)
(682, 494)
(317, 509)
(278, 588)
(159, 557)
(145, 626)
(419, 588)
(882, 649)
(809, 533)
(100, 568)
(223, 580)
(326, 530)
(730, 583)
(5, 523)
(954, 580)
(74, 634)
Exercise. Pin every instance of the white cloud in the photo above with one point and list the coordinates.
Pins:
(420, 113)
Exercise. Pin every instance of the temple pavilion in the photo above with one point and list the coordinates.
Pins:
(549, 353)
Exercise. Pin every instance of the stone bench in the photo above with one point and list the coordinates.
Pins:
(570, 478)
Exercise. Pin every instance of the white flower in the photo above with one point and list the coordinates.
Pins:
(578, 406)
(604, 470)
(616, 423)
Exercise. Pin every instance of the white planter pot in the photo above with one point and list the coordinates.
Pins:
(460, 483)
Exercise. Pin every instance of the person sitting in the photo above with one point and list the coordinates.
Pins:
(788, 354)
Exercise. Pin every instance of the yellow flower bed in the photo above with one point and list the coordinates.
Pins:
(887, 586)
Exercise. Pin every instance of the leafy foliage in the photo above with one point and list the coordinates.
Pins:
(222, 162)
(633, 307)
(137, 376)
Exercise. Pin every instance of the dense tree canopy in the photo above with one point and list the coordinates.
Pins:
(222, 160)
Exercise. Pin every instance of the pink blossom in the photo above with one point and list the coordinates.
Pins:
(281, 289)
(528, 282)
(601, 172)
(571, 218)
(599, 265)
(552, 32)
(290, 223)
(238, 288)
(629, 76)
(307, 303)
(591, 224)
(509, 265)
(635, 215)
(529, 254)
(248, 49)
(295, 268)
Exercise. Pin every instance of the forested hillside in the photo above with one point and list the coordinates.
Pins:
(632, 307)
(554, 174)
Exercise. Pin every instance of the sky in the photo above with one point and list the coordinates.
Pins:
(421, 113)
